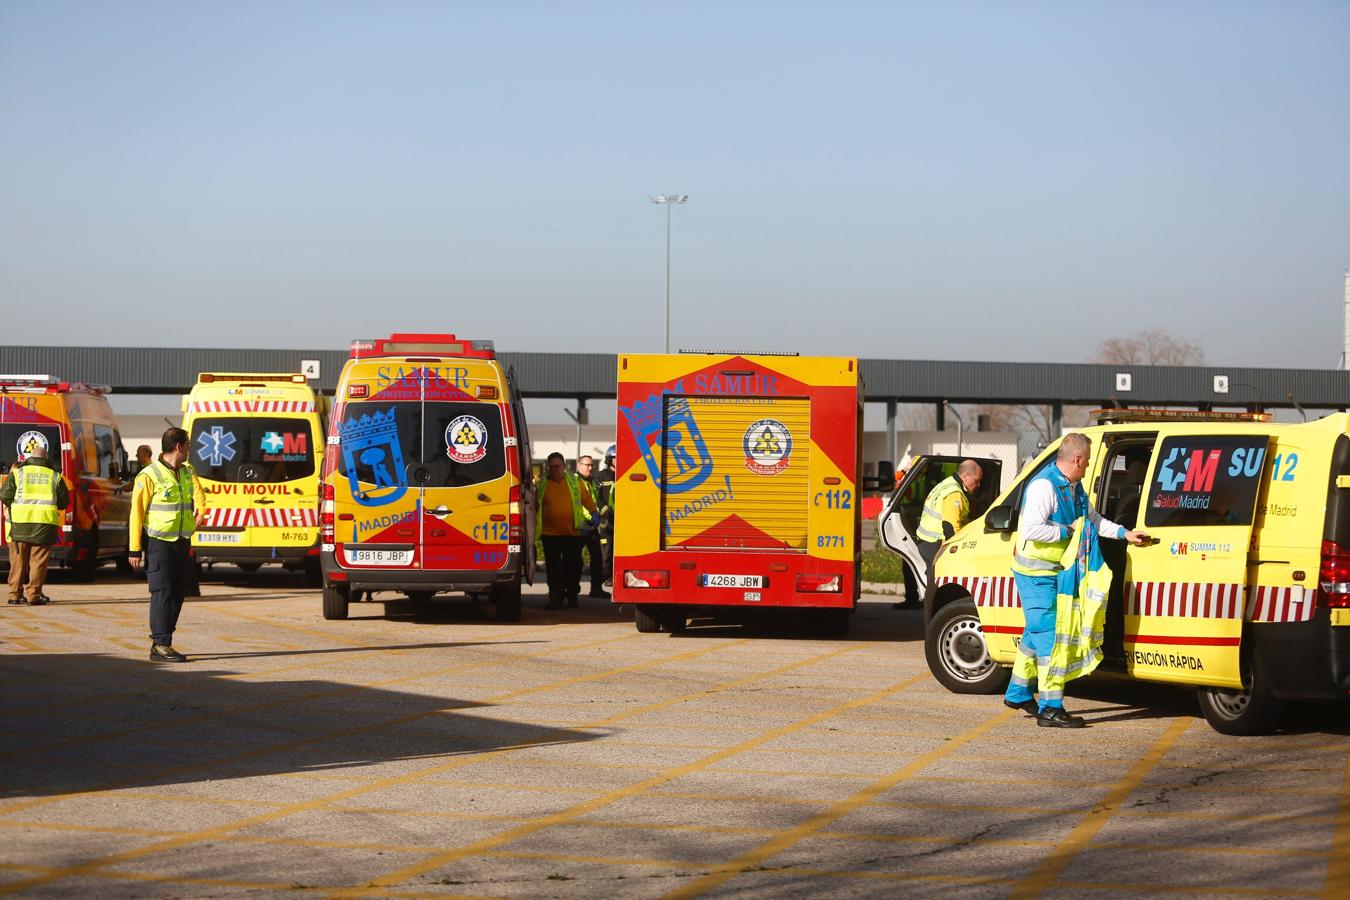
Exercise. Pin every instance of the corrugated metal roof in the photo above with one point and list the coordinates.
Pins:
(171, 371)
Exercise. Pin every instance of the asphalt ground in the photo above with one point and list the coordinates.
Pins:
(445, 754)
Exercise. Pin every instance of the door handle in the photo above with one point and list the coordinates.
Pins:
(264, 502)
(440, 511)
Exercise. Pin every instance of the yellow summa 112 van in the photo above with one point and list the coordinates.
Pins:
(426, 487)
(1244, 591)
(257, 446)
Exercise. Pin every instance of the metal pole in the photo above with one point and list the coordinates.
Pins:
(665, 333)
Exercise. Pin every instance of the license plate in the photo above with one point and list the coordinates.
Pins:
(377, 557)
(732, 581)
(219, 537)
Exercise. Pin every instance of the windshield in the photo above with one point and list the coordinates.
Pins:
(252, 449)
(17, 437)
(387, 444)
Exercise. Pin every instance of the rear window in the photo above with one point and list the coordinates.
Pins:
(17, 438)
(252, 449)
(1203, 480)
(422, 444)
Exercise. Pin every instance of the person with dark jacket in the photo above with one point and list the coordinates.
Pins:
(34, 496)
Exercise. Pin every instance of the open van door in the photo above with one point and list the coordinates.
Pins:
(528, 498)
(900, 514)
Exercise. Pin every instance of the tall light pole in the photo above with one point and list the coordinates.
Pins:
(668, 200)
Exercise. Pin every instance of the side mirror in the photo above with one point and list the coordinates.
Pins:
(1001, 519)
(886, 472)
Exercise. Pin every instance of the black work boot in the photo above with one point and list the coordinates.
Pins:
(1058, 717)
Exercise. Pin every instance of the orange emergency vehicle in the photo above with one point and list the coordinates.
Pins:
(74, 423)
(737, 486)
(425, 483)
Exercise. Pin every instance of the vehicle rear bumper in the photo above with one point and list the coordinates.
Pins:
(402, 579)
(1304, 660)
(778, 590)
(226, 554)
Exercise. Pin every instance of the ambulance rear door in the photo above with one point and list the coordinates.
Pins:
(1185, 591)
(28, 420)
(525, 471)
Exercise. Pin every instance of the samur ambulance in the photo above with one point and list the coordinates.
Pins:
(1243, 593)
(426, 487)
(737, 486)
(256, 443)
(74, 423)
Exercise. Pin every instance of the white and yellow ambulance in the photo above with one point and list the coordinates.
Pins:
(427, 487)
(1244, 592)
(257, 446)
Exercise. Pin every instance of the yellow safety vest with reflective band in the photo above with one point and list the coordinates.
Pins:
(170, 515)
(34, 496)
(579, 514)
(930, 523)
(1038, 558)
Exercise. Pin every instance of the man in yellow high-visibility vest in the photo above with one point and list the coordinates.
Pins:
(946, 509)
(34, 495)
(167, 505)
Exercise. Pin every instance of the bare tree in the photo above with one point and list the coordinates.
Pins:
(1151, 347)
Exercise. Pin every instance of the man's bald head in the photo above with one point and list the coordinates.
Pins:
(970, 475)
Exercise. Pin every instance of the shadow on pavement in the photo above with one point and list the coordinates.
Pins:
(181, 724)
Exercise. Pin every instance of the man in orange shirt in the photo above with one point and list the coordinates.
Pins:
(565, 505)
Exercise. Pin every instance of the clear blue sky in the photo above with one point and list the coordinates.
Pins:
(880, 179)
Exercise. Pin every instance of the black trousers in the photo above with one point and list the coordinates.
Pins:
(562, 563)
(166, 565)
(596, 549)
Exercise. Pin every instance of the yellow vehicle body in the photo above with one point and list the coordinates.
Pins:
(257, 445)
(1243, 592)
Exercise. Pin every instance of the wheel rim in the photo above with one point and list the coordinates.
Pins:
(965, 656)
(1230, 704)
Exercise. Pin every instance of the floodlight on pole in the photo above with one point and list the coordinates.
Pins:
(668, 200)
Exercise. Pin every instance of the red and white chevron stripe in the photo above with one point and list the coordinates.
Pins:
(253, 406)
(242, 517)
(1280, 604)
(988, 590)
(1184, 599)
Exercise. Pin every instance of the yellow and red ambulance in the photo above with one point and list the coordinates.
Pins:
(426, 486)
(74, 423)
(1243, 593)
(257, 447)
(737, 486)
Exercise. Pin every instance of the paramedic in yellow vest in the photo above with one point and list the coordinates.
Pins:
(947, 508)
(34, 495)
(592, 538)
(565, 505)
(167, 505)
(1053, 501)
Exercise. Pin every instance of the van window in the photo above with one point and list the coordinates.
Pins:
(263, 449)
(15, 437)
(1205, 480)
(459, 444)
(106, 443)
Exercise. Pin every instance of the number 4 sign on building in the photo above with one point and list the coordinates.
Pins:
(310, 369)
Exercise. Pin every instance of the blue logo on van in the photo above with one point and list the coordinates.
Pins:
(684, 449)
(371, 453)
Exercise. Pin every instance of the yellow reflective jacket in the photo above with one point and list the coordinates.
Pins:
(1083, 587)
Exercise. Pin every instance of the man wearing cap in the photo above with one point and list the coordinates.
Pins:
(33, 496)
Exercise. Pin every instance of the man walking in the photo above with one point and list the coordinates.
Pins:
(167, 504)
(592, 537)
(34, 496)
(1053, 501)
(564, 506)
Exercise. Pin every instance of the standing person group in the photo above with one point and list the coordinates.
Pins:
(565, 508)
(34, 496)
(167, 505)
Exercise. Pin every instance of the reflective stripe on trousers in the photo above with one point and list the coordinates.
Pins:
(1039, 597)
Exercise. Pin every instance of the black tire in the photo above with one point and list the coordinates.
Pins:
(83, 570)
(674, 619)
(420, 599)
(506, 597)
(957, 654)
(248, 568)
(335, 601)
(834, 623)
(313, 572)
(1246, 712)
(648, 617)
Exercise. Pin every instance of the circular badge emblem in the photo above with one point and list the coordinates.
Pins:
(28, 440)
(768, 446)
(466, 440)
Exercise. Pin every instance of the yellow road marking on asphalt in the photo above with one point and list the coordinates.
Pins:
(43, 626)
(1337, 882)
(1044, 876)
(27, 645)
(105, 614)
(96, 865)
(543, 822)
(256, 642)
(866, 796)
(1149, 888)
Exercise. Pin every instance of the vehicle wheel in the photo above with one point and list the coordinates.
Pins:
(334, 602)
(506, 597)
(648, 617)
(83, 569)
(313, 572)
(421, 599)
(834, 622)
(674, 619)
(957, 655)
(1246, 712)
(249, 568)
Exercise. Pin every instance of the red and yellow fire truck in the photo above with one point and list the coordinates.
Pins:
(737, 486)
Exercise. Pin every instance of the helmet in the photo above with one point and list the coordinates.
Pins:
(610, 452)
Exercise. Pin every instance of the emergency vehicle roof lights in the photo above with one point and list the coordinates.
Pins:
(402, 344)
(28, 379)
(740, 352)
(1117, 416)
(209, 377)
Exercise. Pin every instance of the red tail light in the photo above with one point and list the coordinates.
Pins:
(647, 578)
(823, 584)
(1333, 576)
(513, 517)
(327, 507)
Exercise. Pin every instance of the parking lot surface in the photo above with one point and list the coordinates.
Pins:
(440, 753)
